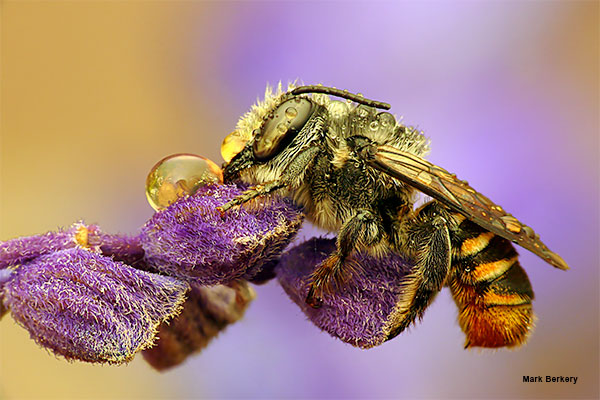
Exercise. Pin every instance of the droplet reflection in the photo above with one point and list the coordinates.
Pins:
(179, 175)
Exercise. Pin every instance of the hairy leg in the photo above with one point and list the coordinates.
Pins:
(364, 229)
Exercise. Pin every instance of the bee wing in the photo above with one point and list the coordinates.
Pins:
(459, 196)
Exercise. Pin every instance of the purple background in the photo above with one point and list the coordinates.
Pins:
(94, 94)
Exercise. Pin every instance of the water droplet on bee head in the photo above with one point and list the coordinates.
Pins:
(179, 175)
(364, 111)
(291, 112)
(386, 119)
(282, 127)
(374, 125)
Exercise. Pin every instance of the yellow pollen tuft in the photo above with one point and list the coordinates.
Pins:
(81, 237)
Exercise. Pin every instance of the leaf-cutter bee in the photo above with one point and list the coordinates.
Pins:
(356, 171)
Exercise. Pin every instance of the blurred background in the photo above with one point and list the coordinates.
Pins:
(94, 93)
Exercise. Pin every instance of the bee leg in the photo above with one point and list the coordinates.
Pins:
(253, 192)
(291, 176)
(364, 228)
(427, 239)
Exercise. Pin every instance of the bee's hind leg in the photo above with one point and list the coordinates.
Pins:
(427, 238)
(364, 228)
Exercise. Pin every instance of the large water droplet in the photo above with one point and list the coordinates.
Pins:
(179, 175)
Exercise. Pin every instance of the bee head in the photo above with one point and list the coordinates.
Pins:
(281, 126)
(278, 126)
(280, 119)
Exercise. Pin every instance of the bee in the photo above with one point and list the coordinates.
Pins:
(357, 171)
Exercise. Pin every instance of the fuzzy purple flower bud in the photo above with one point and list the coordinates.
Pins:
(192, 240)
(84, 306)
(125, 248)
(207, 311)
(20, 250)
(364, 312)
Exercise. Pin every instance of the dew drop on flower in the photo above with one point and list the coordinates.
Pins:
(179, 175)
(233, 144)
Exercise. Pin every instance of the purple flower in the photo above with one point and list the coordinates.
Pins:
(84, 306)
(366, 310)
(20, 250)
(98, 297)
(193, 241)
(124, 248)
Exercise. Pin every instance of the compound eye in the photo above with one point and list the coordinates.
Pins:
(282, 127)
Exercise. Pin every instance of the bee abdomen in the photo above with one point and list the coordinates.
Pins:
(490, 288)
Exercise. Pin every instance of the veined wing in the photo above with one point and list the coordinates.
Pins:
(459, 196)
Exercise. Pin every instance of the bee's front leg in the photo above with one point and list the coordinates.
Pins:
(291, 176)
(251, 193)
(364, 228)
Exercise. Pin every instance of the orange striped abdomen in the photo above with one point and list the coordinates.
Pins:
(491, 290)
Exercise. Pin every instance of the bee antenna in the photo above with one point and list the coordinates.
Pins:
(340, 93)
